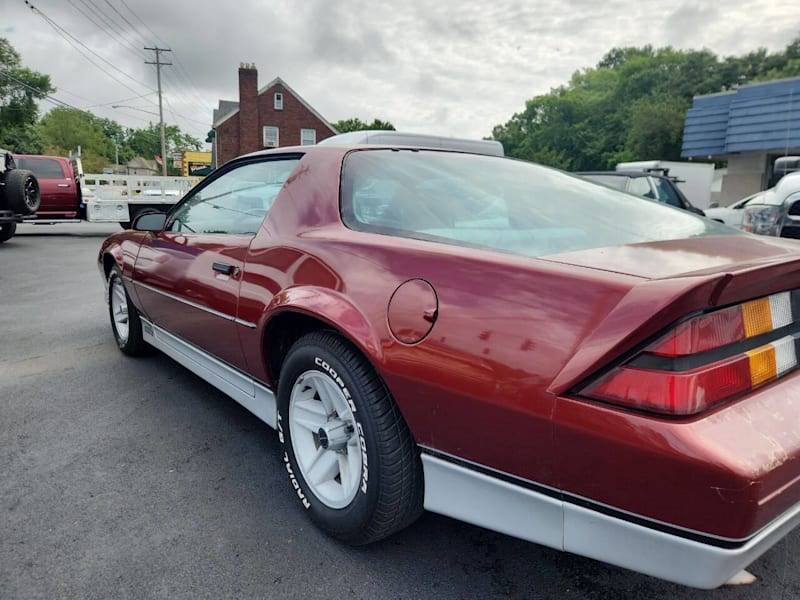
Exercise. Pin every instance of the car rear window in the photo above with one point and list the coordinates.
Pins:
(43, 168)
(500, 204)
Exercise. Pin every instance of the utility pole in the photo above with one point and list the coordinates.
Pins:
(159, 63)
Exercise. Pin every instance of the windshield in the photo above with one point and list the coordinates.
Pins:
(500, 204)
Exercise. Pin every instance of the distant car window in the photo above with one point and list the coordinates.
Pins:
(236, 202)
(640, 186)
(499, 204)
(616, 181)
(665, 193)
(43, 168)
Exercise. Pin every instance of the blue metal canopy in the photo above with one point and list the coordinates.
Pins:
(762, 116)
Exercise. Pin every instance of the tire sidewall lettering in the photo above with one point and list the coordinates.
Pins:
(323, 364)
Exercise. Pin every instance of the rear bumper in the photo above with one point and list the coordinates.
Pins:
(502, 503)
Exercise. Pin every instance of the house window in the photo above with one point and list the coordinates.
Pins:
(277, 101)
(271, 136)
(308, 137)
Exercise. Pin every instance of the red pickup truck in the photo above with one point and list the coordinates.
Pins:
(59, 187)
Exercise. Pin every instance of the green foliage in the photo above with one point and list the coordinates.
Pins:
(64, 129)
(18, 109)
(356, 124)
(631, 106)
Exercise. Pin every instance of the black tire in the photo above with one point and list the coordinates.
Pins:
(22, 192)
(133, 344)
(7, 231)
(391, 495)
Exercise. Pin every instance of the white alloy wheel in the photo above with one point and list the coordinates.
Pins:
(324, 439)
(119, 309)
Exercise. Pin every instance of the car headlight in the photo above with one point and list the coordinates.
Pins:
(762, 219)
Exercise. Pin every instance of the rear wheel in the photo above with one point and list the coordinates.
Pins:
(125, 321)
(22, 192)
(7, 231)
(350, 456)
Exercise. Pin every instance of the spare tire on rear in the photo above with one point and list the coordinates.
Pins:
(22, 192)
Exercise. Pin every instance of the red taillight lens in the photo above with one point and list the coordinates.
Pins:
(678, 375)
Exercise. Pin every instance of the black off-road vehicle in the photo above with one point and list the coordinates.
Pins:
(19, 195)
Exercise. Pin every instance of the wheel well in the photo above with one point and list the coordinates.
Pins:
(283, 331)
(108, 263)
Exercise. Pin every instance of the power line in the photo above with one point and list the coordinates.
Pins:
(58, 29)
(114, 26)
(115, 38)
(61, 103)
(181, 70)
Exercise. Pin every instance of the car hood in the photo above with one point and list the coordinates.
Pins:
(705, 255)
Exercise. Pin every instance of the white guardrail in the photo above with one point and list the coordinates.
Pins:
(113, 198)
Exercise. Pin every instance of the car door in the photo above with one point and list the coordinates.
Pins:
(56, 185)
(187, 277)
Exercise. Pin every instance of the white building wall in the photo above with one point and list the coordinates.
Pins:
(744, 177)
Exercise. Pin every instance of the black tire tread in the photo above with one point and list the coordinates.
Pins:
(401, 488)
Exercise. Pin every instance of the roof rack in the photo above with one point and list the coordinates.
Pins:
(396, 138)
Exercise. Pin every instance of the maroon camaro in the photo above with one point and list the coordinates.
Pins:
(488, 339)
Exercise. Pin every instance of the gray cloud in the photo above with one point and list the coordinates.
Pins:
(450, 67)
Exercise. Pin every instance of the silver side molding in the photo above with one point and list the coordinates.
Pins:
(244, 389)
(475, 497)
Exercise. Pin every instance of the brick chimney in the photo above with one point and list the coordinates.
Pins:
(249, 133)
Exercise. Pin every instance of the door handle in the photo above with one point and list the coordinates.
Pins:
(223, 268)
(63, 185)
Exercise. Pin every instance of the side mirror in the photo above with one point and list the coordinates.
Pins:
(151, 221)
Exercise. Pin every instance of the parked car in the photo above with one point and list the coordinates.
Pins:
(490, 340)
(732, 215)
(19, 195)
(776, 211)
(58, 184)
(645, 184)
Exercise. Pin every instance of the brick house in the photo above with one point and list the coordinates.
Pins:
(271, 117)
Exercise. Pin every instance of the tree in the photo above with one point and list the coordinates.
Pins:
(356, 124)
(20, 88)
(146, 141)
(631, 106)
(64, 129)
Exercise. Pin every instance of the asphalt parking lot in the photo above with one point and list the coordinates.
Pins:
(132, 478)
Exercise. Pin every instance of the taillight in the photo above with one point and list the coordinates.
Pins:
(708, 359)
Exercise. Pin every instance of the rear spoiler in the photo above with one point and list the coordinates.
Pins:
(652, 307)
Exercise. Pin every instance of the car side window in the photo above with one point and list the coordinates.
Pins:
(43, 168)
(640, 186)
(666, 194)
(236, 202)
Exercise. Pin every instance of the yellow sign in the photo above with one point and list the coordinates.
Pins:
(195, 163)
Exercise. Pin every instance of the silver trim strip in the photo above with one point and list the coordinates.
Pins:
(248, 392)
(592, 500)
(474, 497)
(216, 313)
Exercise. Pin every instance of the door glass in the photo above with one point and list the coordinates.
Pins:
(666, 194)
(236, 202)
(640, 186)
(43, 168)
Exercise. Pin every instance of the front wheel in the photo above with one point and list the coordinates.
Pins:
(125, 321)
(350, 456)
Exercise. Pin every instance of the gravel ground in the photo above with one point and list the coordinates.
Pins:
(132, 478)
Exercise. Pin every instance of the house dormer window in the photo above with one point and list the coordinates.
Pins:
(277, 101)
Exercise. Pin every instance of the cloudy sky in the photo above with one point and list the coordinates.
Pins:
(450, 67)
